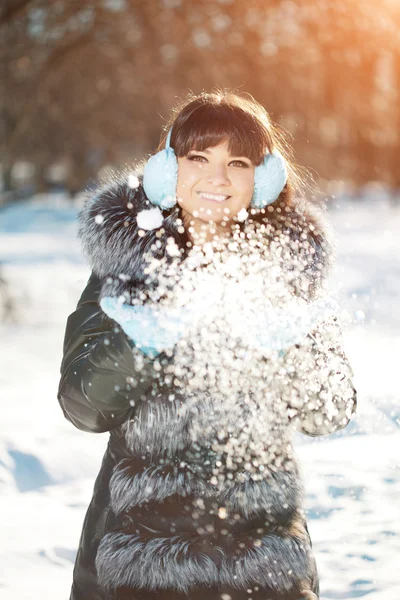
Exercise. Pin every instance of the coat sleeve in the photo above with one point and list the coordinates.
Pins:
(320, 397)
(101, 381)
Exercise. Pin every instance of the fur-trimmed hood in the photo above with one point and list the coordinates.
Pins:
(117, 248)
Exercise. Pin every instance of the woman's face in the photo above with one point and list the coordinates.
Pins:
(213, 185)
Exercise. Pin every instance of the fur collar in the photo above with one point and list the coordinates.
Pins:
(116, 247)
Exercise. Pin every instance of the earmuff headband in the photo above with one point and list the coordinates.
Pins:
(160, 178)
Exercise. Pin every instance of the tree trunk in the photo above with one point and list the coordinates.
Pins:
(6, 176)
(41, 183)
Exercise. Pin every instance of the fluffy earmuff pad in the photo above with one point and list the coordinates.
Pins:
(269, 180)
(160, 178)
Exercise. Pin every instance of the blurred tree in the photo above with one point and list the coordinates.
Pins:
(90, 82)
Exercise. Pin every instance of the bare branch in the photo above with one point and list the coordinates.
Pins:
(14, 10)
(30, 107)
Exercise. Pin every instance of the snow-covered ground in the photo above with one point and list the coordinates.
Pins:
(47, 468)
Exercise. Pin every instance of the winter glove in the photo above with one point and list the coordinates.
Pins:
(271, 328)
(152, 328)
(155, 328)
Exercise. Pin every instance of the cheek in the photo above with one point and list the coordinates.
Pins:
(245, 186)
(187, 177)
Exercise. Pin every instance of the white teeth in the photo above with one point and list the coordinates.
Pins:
(216, 197)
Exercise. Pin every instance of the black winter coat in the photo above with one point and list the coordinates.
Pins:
(158, 526)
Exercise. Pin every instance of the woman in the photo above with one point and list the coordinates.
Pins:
(200, 340)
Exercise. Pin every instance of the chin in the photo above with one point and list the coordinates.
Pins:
(216, 213)
(214, 218)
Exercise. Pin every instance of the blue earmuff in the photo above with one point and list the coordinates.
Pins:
(269, 180)
(160, 178)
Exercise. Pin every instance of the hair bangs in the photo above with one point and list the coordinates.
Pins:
(209, 125)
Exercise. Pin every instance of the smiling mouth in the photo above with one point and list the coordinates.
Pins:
(213, 197)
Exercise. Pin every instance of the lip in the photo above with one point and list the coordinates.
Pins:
(218, 198)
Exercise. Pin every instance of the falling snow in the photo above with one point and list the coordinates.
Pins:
(150, 219)
(133, 181)
(99, 219)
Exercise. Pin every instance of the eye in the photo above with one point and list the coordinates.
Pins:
(197, 158)
(239, 163)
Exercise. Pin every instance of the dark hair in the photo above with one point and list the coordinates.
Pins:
(205, 120)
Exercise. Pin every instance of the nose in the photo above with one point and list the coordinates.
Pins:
(217, 175)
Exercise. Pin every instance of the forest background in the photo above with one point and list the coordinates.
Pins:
(87, 84)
